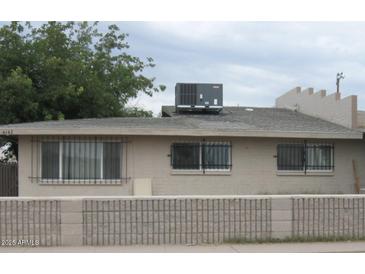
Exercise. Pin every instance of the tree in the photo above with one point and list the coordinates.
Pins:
(68, 71)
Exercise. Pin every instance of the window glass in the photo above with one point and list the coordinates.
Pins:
(290, 157)
(186, 156)
(216, 156)
(81, 160)
(111, 160)
(50, 160)
(305, 157)
(205, 155)
(319, 157)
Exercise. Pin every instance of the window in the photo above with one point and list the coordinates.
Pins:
(319, 157)
(290, 157)
(50, 160)
(216, 156)
(186, 156)
(78, 160)
(305, 157)
(81, 160)
(201, 156)
(111, 160)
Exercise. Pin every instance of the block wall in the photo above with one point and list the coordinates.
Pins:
(333, 108)
(179, 220)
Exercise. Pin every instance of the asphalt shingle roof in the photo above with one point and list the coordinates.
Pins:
(255, 118)
(231, 119)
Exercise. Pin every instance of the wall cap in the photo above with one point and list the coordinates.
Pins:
(285, 196)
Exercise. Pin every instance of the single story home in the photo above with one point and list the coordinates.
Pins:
(307, 143)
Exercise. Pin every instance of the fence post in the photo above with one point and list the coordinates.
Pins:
(71, 222)
(281, 217)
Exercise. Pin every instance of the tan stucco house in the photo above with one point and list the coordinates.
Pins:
(307, 143)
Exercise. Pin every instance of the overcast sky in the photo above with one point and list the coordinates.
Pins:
(256, 62)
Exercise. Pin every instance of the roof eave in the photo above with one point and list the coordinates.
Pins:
(6, 131)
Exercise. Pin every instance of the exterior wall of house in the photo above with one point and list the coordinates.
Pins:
(254, 171)
(327, 107)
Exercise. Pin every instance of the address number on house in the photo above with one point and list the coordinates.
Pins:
(7, 132)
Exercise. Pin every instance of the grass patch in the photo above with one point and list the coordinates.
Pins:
(293, 240)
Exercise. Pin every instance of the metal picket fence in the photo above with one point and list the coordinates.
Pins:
(8, 179)
(175, 221)
(328, 217)
(30, 223)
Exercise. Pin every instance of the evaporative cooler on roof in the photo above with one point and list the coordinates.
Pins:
(198, 97)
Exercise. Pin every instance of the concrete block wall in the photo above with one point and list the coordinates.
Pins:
(333, 108)
(179, 219)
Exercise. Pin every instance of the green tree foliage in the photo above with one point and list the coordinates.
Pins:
(68, 71)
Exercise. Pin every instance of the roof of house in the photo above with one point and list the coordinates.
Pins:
(232, 121)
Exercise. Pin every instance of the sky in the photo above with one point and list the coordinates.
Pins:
(255, 61)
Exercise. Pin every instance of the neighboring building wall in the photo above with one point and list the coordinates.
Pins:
(254, 171)
(361, 119)
(327, 107)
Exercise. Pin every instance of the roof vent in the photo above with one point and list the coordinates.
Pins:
(198, 97)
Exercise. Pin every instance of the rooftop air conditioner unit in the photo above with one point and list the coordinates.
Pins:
(198, 97)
